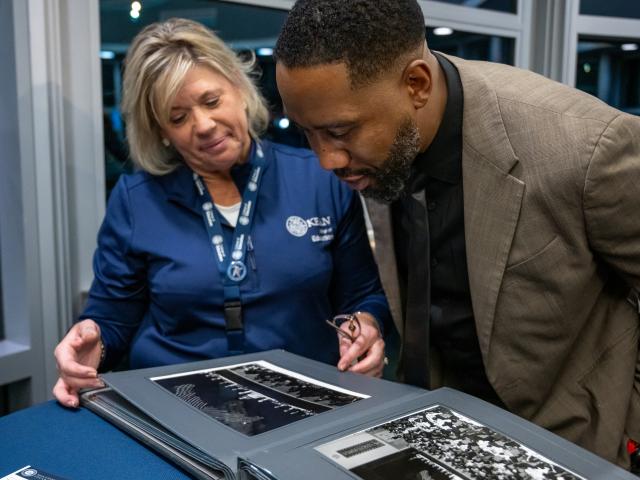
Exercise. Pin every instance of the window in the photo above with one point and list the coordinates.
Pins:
(610, 8)
(607, 60)
(610, 70)
(471, 46)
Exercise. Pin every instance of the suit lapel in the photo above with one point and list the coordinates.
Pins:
(492, 197)
(380, 216)
(492, 202)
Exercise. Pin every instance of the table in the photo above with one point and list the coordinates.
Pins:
(76, 445)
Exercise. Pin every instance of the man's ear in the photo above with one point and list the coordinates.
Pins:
(418, 81)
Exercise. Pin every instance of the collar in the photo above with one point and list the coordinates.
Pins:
(180, 187)
(443, 159)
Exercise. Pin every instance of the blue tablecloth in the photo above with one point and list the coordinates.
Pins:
(77, 445)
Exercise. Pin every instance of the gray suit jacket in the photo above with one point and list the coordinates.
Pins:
(551, 180)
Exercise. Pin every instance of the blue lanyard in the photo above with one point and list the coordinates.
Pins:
(232, 268)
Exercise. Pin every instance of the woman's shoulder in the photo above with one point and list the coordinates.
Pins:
(282, 150)
(130, 181)
(301, 168)
(143, 182)
(298, 161)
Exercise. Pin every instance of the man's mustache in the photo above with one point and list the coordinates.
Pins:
(348, 172)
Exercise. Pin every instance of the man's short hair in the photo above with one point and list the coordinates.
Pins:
(369, 36)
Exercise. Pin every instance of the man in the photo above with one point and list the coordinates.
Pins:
(505, 210)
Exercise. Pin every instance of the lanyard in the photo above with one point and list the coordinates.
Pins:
(232, 268)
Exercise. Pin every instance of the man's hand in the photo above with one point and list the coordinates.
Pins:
(78, 358)
(366, 353)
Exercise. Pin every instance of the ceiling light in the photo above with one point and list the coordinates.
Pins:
(629, 47)
(442, 31)
(283, 123)
(265, 52)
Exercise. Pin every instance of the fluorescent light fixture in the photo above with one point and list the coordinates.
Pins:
(107, 55)
(265, 51)
(629, 47)
(442, 31)
(284, 123)
(135, 14)
(136, 6)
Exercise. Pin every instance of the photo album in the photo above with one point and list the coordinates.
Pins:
(278, 416)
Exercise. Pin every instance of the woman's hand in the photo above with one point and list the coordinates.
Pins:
(365, 354)
(78, 358)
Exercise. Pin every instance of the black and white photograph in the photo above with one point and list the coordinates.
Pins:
(439, 443)
(255, 397)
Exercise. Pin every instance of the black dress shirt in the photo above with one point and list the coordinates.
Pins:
(439, 171)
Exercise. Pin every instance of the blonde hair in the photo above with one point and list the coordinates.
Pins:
(155, 67)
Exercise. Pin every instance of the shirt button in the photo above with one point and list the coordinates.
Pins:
(434, 262)
(431, 206)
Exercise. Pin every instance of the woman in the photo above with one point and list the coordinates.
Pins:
(221, 243)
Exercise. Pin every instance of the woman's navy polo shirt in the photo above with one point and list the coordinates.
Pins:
(157, 292)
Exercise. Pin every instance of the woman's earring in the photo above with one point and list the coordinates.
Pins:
(166, 142)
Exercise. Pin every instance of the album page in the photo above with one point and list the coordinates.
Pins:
(439, 442)
(444, 435)
(216, 410)
(255, 397)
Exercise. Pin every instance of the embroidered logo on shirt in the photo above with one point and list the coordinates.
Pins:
(298, 227)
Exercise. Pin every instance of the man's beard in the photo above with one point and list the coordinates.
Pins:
(390, 180)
